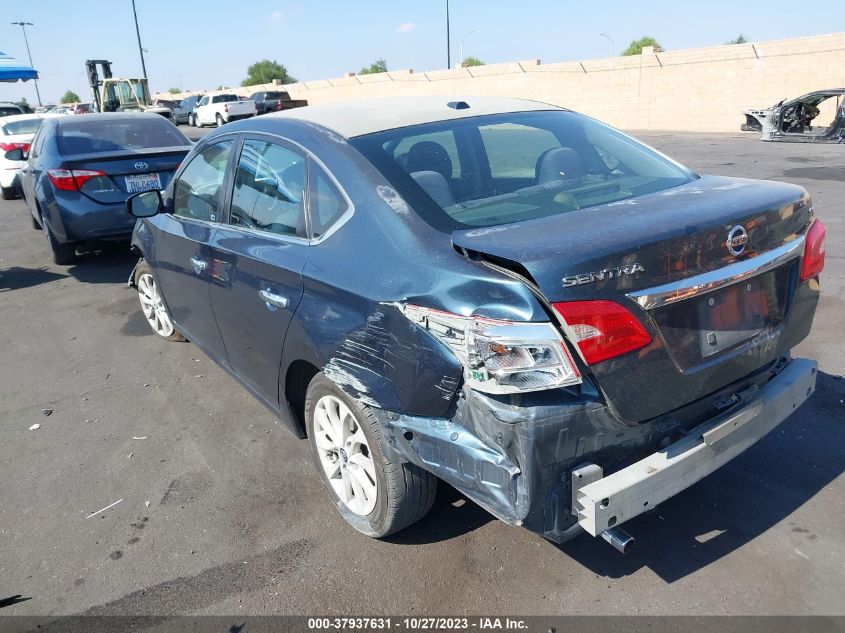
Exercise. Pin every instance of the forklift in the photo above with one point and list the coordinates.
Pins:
(112, 94)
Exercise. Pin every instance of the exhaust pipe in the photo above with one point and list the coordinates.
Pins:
(619, 538)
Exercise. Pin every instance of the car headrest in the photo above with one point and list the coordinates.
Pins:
(559, 163)
(429, 156)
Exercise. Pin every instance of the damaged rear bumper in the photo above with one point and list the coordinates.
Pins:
(612, 500)
(516, 456)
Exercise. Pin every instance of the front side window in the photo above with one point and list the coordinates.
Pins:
(269, 189)
(496, 169)
(196, 194)
(203, 101)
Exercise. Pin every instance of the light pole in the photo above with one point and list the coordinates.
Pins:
(23, 26)
(609, 39)
(138, 33)
(466, 35)
(448, 47)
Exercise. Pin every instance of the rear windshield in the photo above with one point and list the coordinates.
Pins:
(224, 98)
(27, 126)
(85, 137)
(490, 170)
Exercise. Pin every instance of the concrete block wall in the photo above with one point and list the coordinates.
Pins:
(700, 89)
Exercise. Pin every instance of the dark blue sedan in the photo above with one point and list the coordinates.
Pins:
(80, 171)
(565, 325)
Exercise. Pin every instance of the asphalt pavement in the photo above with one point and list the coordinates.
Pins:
(215, 508)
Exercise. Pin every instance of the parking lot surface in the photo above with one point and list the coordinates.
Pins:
(218, 510)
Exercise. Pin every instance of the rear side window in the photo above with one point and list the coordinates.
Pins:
(196, 194)
(27, 126)
(269, 188)
(87, 137)
(326, 204)
(9, 111)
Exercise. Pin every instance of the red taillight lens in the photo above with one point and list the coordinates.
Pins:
(813, 262)
(8, 147)
(604, 329)
(71, 180)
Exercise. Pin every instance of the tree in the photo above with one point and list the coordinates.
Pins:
(636, 46)
(265, 71)
(174, 91)
(472, 61)
(740, 39)
(378, 66)
(70, 97)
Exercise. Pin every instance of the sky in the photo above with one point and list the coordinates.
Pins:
(200, 44)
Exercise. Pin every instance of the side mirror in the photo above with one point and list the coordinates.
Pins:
(145, 204)
(15, 154)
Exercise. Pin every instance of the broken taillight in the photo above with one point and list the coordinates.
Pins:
(501, 356)
(603, 329)
(813, 261)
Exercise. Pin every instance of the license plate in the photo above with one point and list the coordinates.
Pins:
(142, 182)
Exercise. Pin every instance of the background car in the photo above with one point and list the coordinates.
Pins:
(10, 109)
(183, 110)
(499, 293)
(801, 120)
(80, 171)
(16, 132)
(274, 101)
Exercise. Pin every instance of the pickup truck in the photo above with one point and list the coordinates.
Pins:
(275, 101)
(221, 109)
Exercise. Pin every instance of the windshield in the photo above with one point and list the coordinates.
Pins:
(86, 137)
(490, 170)
(27, 126)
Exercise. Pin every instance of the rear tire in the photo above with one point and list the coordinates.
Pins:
(219, 120)
(152, 304)
(373, 494)
(8, 193)
(63, 253)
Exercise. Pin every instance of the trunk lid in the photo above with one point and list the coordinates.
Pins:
(126, 171)
(611, 251)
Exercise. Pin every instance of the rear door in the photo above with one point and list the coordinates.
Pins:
(181, 255)
(258, 258)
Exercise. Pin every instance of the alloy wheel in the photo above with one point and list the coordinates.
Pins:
(345, 455)
(153, 306)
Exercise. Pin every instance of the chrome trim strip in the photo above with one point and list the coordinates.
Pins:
(666, 294)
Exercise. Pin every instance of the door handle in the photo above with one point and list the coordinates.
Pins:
(272, 299)
(199, 265)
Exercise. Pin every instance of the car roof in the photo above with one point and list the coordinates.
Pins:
(100, 117)
(25, 117)
(356, 118)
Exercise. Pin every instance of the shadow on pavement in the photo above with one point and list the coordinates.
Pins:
(112, 263)
(737, 503)
(15, 278)
(8, 602)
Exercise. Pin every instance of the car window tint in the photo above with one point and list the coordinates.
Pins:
(196, 194)
(26, 126)
(513, 150)
(37, 142)
(326, 203)
(90, 136)
(269, 186)
(435, 151)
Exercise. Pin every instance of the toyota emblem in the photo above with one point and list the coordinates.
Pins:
(141, 165)
(737, 240)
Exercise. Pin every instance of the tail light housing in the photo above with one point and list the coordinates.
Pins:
(501, 356)
(8, 147)
(812, 263)
(72, 179)
(603, 329)
(226, 108)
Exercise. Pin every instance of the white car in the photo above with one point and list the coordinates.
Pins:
(220, 109)
(15, 132)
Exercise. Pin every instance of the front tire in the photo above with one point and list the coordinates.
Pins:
(152, 304)
(63, 254)
(8, 193)
(373, 494)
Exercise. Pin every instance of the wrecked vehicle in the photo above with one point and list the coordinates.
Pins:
(560, 322)
(794, 119)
